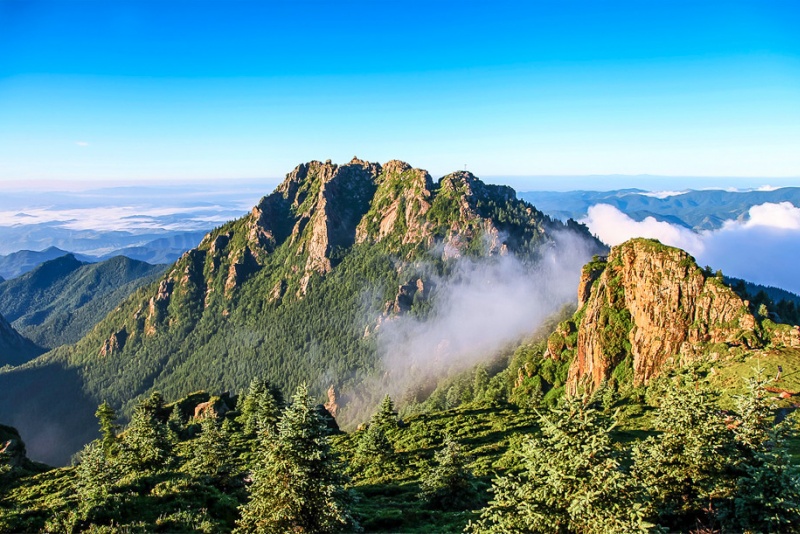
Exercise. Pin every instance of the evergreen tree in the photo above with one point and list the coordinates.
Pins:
(261, 407)
(479, 383)
(374, 452)
(450, 484)
(298, 485)
(767, 494)
(95, 474)
(684, 471)
(146, 444)
(175, 424)
(386, 416)
(107, 417)
(210, 453)
(571, 481)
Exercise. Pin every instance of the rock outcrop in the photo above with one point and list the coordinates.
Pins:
(12, 448)
(115, 343)
(305, 228)
(645, 305)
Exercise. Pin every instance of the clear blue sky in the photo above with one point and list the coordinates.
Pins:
(117, 90)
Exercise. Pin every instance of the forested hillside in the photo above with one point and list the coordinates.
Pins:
(581, 427)
(17, 263)
(290, 293)
(15, 349)
(59, 301)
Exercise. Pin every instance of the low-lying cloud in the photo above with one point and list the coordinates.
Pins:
(122, 218)
(762, 247)
(481, 307)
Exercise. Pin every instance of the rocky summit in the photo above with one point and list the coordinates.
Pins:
(647, 307)
(286, 292)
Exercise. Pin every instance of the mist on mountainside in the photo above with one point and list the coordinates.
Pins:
(483, 306)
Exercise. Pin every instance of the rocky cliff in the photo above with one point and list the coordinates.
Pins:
(288, 292)
(646, 305)
(313, 217)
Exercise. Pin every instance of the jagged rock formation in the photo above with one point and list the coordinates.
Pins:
(643, 306)
(12, 448)
(288, 291)
(319, 211)
(115, 343)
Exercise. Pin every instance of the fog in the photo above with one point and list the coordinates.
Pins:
(483, 306)
(762, 247)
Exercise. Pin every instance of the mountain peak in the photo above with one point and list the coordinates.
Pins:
(648, 306)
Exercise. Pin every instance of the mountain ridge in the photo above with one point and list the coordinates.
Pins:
(61, 299)
(281, 292)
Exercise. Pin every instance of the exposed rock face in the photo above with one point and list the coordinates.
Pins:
(115, 343)
(650, 303)
(215, 407)
(12, 449)
(402, 200)
(332, 405)
(313, 218)
(788, 336)
(416, 288)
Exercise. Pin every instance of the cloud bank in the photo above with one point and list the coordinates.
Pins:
(762, 247)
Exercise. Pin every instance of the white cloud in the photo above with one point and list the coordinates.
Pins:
(82, 143)
(122, 218)
(613, 227)
(784, 216)
(663, 194)
(763, 247)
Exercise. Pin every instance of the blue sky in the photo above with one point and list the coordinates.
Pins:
(192, 90)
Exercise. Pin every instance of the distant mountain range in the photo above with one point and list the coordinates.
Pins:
(60, 300)
(163, 250)
(21, 262)
(697, 210)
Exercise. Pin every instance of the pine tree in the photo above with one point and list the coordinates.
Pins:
(175, 424)
(767, 494)
(685, 470)
(298, 485)
(95, 474)
(261, 407)
(571, 481)
(210, 453)
(450, 484)
(146, 444)
(479, 383)
(386, 416)
(374, 452)
(106, 417)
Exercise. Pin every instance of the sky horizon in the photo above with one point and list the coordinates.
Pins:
(149, 91)
(520, 183)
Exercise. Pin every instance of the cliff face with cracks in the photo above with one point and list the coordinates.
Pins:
(645, 304)
(319, 212)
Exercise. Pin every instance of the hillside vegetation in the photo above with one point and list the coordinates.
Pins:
(286, 293)
(59, 301)
(584, 427)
